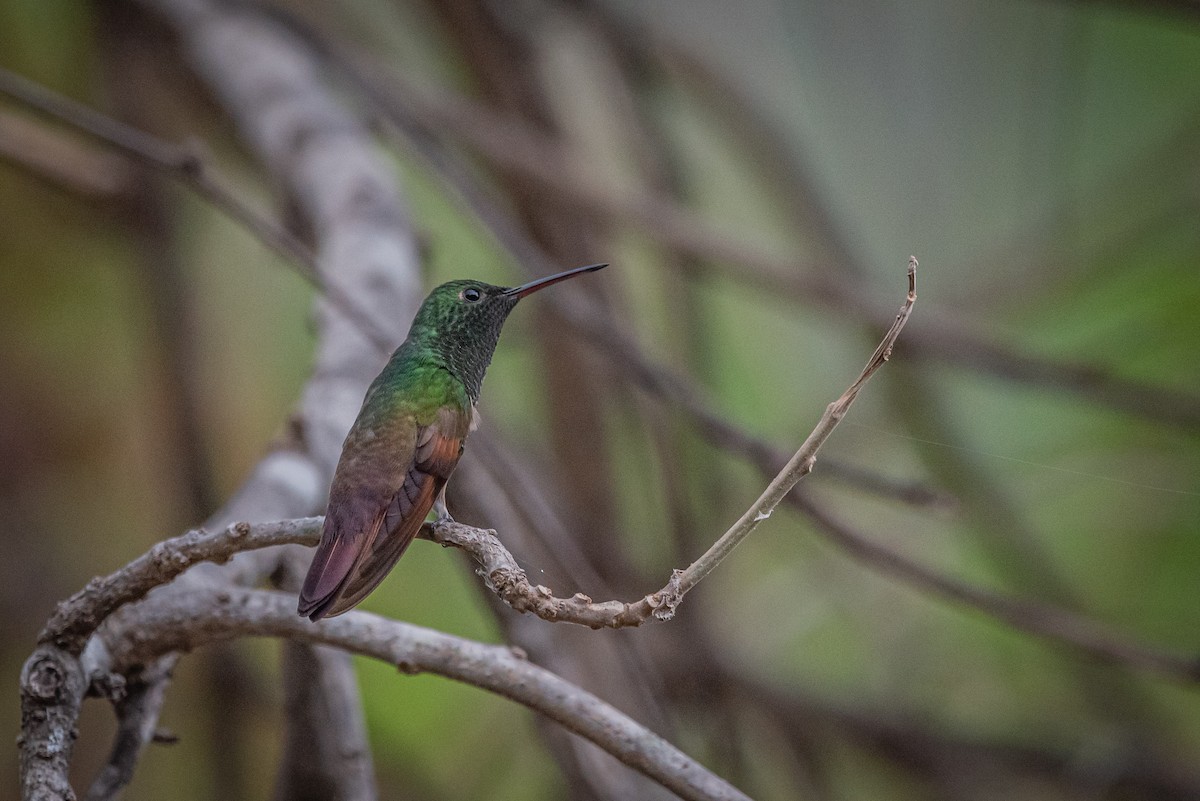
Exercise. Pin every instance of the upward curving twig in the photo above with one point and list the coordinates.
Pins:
(513, 586)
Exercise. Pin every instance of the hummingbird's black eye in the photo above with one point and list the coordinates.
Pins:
(471, 295)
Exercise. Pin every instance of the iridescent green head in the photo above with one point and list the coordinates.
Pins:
(460, 322)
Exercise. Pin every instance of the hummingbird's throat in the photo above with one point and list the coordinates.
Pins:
(467, 345)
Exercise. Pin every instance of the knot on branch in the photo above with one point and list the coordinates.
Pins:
(171, 555)
(665, 601)
(47, 679)
(507, 582)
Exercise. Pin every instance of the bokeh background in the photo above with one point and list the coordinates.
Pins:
(758, 174)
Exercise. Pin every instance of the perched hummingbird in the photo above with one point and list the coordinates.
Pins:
(407, 440)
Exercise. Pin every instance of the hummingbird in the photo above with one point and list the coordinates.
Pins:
(407, 440)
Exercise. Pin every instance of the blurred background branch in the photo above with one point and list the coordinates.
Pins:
(752, 171)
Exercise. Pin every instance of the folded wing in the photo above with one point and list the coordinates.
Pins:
(372, 518)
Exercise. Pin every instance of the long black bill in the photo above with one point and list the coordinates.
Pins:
(541, 283)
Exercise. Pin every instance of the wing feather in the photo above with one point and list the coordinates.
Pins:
(369, 524)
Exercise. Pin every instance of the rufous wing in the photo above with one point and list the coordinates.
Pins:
(370, 523)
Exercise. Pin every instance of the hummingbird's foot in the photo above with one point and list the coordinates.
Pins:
(439, 507)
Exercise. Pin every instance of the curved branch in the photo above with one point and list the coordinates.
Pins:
(185, 620)
(78, 617)
(509, 581)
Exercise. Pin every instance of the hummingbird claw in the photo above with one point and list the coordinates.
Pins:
(439, 506)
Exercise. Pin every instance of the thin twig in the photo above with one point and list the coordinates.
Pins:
(509, 581)
(798, 467)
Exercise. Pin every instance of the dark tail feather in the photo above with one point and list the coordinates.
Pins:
(331, 566)
(315, 609)
(368, 574)
(345, 570)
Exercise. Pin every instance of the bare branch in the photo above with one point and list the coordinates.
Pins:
(509, 581)
(500, 571)
(182, 621)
